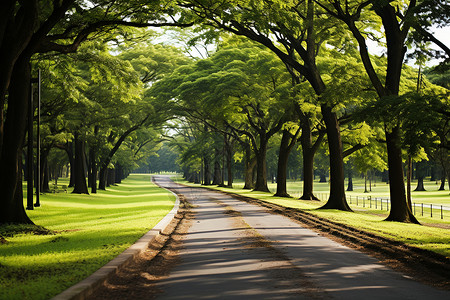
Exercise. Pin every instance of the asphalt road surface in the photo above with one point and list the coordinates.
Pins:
(236, 250)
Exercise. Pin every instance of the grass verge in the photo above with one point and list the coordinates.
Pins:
(79, 234)
(434, 237)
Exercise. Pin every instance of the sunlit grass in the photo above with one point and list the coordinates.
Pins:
(87, 232)
(369, 219)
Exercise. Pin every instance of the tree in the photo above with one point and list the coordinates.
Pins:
(29, 27)
(395, 33)
(242, 87)
(295, 34)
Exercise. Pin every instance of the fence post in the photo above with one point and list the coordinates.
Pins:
(442, 213)
(422, 209)
(356, 200)
(431, 210)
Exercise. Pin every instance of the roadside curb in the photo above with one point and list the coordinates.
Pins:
(84, 288)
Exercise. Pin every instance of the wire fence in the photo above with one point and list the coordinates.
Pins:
(384, 204)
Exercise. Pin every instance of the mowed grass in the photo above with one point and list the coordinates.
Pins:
(433, 234)
(87, 231)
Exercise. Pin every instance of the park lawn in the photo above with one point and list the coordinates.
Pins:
(379, 190)
(87, 231)
(429, 237)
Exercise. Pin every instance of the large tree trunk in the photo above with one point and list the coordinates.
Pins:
(283, 157)
(261, 166)
(288, 142)
(111, 176)
(93, 173)
(11, 201)
(217, 178)
(44, 184)
(443, 176)
(118, 173)
(229, 159)
(400, 211)
(71, 156)
(350, 177)
(102, 178)
(309, 150)
(250, 163)
(206, 170)
(80, 186)
(13, 41)
(420, 173)
(45, 188)
(337, 198)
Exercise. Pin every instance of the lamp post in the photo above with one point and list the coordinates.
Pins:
(30, 146)
(30, 151)
(38, 143)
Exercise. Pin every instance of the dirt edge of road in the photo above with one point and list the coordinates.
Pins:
(422, 265)
(139, 279)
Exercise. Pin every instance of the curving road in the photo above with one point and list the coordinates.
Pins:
(236, 250)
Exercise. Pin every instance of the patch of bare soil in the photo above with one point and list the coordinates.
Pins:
(138, 279)
(422, 265)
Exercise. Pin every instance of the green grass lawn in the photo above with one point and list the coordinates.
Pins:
(434, 236)
(87, 231)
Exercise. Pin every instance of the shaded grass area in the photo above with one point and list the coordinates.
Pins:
(434, 237)
(79, 234)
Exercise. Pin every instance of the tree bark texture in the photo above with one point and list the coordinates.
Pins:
(309, 151)
(229, 159)
(80, 186)
(337, 198)
(400, 210)
(350, 177)
(93, 172)
(217, 178)
(14, 131)
(261, 166)
(206, 171)
(250, 163)
(283, 157)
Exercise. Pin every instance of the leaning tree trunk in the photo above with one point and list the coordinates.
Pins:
(337, 198)
(400, 211)
(80, 186)
(11, 200)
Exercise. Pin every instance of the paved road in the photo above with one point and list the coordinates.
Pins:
(236, 250)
